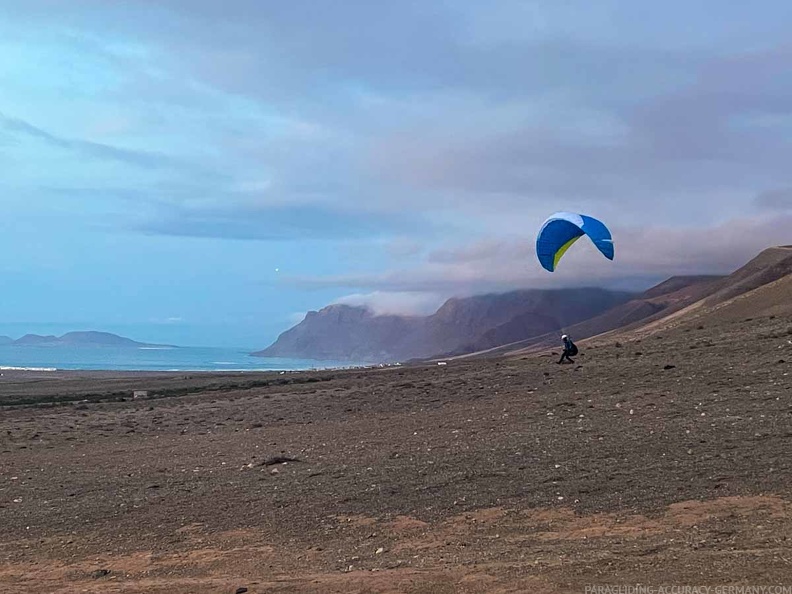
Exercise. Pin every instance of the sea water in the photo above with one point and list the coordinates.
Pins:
(150, 359)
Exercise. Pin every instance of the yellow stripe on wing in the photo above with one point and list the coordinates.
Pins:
(563, 249)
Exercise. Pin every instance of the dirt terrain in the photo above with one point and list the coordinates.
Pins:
(661, 459)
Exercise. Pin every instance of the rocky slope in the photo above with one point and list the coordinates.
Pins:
(761, 287)
(342, 332)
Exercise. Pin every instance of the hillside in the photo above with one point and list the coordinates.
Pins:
(771, 265)
(343, 332)
(666, 297)
(760, 288)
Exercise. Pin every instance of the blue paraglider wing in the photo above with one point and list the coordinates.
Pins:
(562, 229)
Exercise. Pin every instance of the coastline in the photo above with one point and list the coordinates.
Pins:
(143, 359)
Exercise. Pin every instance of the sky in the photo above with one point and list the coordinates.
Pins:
(203, 173)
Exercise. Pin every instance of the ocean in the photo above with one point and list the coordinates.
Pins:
(150, 359)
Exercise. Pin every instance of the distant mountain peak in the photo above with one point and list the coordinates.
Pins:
(89, 338)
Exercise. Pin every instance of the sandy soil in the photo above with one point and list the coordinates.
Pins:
(660, 461)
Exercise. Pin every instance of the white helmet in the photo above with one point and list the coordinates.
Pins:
(564, 337)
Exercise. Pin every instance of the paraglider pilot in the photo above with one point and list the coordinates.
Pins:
(569, 349)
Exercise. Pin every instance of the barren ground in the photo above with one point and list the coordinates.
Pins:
(481, 476)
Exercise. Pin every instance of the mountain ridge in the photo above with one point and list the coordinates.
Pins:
(662, 299)
(521, 322)
(344, 332)
(760, 287)
(87, 338)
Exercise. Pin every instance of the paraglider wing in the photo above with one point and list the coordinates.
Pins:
(562, 229)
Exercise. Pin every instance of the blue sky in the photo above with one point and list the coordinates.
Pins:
(202, 172)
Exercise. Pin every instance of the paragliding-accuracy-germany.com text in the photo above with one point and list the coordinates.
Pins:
(645, 589)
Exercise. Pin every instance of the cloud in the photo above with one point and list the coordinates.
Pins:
(170, 320)
(145, 159)
(395, 303)
(779, 199)
(453, 111)
(258, 220)
(643, 256)
(701, 146)
(403, 247)
(296, 317)
(336, 60)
